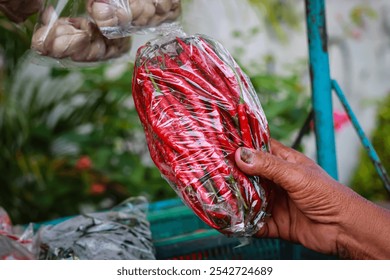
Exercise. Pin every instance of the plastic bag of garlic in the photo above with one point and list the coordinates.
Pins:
(65, 33)
(121, 18)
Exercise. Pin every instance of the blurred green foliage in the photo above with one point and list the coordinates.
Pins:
(366, 180)
(281, 16)
(49, 119)
(360, 13)
(285, 103)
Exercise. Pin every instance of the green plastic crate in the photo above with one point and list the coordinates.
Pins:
(179, 234)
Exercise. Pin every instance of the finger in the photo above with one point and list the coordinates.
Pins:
(288, 154)
(263, 232)
(269, 230)
(270, 167)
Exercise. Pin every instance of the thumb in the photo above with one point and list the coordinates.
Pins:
(268, 166)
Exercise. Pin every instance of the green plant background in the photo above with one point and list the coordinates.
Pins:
(366, 180)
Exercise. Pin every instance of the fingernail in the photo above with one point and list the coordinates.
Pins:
(247, 155)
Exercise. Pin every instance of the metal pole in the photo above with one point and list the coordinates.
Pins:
(363, 138)
(321, 86)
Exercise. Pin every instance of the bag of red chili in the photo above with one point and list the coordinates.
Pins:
(197, 107)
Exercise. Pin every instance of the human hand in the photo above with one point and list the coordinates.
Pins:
(313, 209)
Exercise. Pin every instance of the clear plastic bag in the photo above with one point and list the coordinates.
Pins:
(121, 18)
(15, 245)
(197, 107)
(123, 233)
(66, 34)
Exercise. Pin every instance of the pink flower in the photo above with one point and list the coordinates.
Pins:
(356, 34)
(97, 189)
(340, 120)
(84, 163)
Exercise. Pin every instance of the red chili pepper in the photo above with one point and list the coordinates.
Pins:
(202, 61)
(225, 71)
(255, 128)
(170, 101)
(193, 98)
(212, 153)
(209, 119)
(207, 89)
(244, 126)
(216, 106)
(185, 181)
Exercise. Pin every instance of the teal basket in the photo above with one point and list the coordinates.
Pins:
(179, 234)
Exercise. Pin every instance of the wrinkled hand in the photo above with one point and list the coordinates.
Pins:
(310, 207)
(19, 10)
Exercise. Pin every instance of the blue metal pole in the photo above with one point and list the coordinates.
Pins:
(321, 86)
(363, 138)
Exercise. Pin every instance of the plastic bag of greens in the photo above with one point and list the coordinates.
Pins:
(123, 233)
